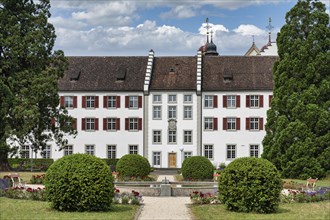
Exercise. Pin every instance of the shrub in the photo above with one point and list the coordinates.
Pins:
(79, 182)
(133, 165)
(197, 168)
(112, 163)
(24, 164)
(250, 185)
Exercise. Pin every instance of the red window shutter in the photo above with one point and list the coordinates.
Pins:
(270, 99)
(83, 124)
(140, 124)
(261, 124)
(224, 101)
(96, 101)
(224, 126)
(74, 101)
(118, 101)
(126, 101)
(247, 125)
(74, 124)
(126, 124)
(238, 101)
(215, 101)
(105, 101)
(96, 123)
(62, 101)
(83, 102)
(118, 123)
(105, 123)
(247, 101)
(238, 124)
(215, 124)
(140, 102)
(261, 101)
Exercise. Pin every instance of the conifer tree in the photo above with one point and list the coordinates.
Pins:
(298, 123)
(29, 72)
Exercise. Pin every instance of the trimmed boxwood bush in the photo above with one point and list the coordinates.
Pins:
(250, 185)
(133, 165)
(79, 182)
(197, 168)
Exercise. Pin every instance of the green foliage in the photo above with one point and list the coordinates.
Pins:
(112, 163)
(250, 185)
(197, 168)
(22, 164)
(297, 137)
(133, 165)
(29, 72)
(79, 182)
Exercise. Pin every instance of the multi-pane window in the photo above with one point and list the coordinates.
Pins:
(157, 112)
(208, 123)
(172, 137)
(157, 137)
(231, 101)
(90, 101)
(111, 124)
(187, 112)
(231, 123)
(187, 98)
(68, 150)
(231, 151)
(187, 137)
(157, 98)
(187, 155)
(133, 102)
(133, 124)
(171, 111)
(254, 101)
(133, 149)
(208, 151)
(46, 153)
(90, 124)
(254, 123)
(208, 101)
(25, 151)
(112, 151)
(68, 101)
(254, 151)
(112, 101)
(89, 149)
(171, 98)
(156, 158)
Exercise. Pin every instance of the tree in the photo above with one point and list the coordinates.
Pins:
(298, 123)
(29, 72)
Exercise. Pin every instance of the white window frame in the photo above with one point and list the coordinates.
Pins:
(187, 98)
(90, 149)
(254, 124)
(133, 149)
(231, 124)
(187, 136)
(111, 151)
(172, 110)
(208, 124)
(209, 151)
(157, 112)
(25, 151)
(157, 98)
(254, 101)
(208, 101)
(133, 101)
(68, 150)
(157, 136)
(90, 124)
(187, 154)
(156, 158)
(231, 101)
(68, 102)
(111, 124)
(47, 152)
(254, 150)
(187, 112)
(112, 101)
(90, 101)
(133, 124)
(172, 137)
(172, 98)
(231, 151)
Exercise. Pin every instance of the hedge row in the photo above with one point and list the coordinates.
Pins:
(112, 163)
(24, 164)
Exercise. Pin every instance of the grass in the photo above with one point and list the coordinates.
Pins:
(27, 209)
(25, 176)
(322, 182)
(317, 210)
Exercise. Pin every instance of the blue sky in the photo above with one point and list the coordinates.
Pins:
(169, 27)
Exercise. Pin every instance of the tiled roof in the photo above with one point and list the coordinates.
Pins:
(104, 74)
(247, 72)
(174, 73)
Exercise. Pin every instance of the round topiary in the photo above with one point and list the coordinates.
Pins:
(250, 185)
(133, 165)
(79, 182)
(197, 168)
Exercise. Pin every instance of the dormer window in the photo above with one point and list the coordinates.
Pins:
(172, 71)
(228, 77)
(121, 75)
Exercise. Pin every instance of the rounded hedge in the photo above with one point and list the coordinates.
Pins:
(133, 165)
(250, 185)
(197, 168)
(79, 182)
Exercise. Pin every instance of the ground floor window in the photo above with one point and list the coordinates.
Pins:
(46, 153)
(68, 150)
(133, 149)
(156, 158)
(187, 155)
(89, 149)
(112, 151)
(25, 151)
(208, 151)
(231, 151)
(254, 151)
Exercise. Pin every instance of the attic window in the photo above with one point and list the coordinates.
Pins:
(172, 71)
(228, 77)
(121, 74)
(75, 76)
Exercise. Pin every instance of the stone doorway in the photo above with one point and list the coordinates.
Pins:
(172, 160)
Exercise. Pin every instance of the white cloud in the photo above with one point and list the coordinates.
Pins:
(214, 27)
(67, 23)
(248, 30)
(181, 11)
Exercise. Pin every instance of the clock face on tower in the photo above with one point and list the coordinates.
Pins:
(172, 124)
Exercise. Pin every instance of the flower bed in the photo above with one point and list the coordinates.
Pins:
(24, 193)
(133, 198)
(203, 198)
(306, 195)
(37, 179)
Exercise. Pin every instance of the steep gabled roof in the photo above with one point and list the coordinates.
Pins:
(231, 73)
(174, 73)
(104, 74)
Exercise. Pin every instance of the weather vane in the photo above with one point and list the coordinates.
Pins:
(207, 27)
(270, 27)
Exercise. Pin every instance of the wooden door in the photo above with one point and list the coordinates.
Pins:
(172, 160)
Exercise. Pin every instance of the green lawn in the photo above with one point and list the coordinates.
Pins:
(295, 211)
(322, 182)
(27, 209)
